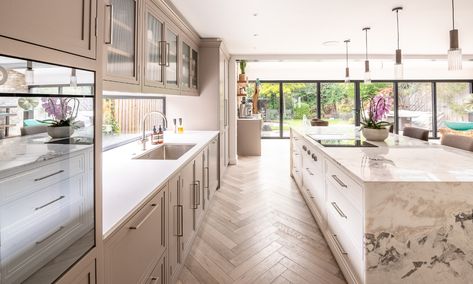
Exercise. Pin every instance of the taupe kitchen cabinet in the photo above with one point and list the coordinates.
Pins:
(132, 253)
(121, 36)
(86, 276)
(172, 38)
(159, 275)
(189, 67)
(68, 26)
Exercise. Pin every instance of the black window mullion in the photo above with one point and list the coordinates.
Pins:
(281, 109)
(434, 110)
(396, 107)
(319, 101)
(357, 103)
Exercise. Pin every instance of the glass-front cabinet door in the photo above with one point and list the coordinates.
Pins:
(172, 50)
(186, 61)
(194, 69)
(121, 41)
(155, 46)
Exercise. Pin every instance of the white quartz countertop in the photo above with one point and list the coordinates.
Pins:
(398, 159)
(128, 182)
(23, 151)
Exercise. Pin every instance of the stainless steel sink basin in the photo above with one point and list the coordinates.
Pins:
(166, 152)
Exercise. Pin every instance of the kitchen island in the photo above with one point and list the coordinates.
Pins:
(399, 211)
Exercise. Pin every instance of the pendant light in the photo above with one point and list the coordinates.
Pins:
(367, 62)
(73, 81)
(29, 73)
(455, 52)
(398, 67)
(347, 69)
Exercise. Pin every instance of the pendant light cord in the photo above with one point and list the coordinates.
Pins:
(453, 14)
(366, 43)
(346, 54)
(397, 21)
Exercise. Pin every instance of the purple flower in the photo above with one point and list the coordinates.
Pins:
(380, 106)
(57, 108)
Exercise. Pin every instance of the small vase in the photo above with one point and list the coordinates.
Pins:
(60, 132)
(372, 134)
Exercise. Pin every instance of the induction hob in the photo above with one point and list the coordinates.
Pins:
(355, 143)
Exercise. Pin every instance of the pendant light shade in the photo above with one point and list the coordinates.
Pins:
(29, 73)
(398, 67)
(455, 52)
(347, 69)
(367, 78)
(73, 81)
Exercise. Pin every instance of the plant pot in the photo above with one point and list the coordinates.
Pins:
(242, 78)
(372, 134)
(60, 132)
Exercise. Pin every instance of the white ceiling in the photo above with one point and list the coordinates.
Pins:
(301, 26)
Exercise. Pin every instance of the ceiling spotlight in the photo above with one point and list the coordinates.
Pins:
(330, 43)
(255, 35)
(255, 14)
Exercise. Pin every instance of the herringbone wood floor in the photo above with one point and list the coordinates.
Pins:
(259, 230)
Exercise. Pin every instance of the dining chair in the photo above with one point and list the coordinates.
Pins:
(417, 133)
(457, 141)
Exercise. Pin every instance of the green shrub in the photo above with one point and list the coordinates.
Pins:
(300, 111)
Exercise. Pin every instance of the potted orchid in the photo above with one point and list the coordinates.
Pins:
(63, 112)
(374, 128)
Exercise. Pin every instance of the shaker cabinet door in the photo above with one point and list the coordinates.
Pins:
(175, 231)
(188, 205)
(155, 48)
(63, 25)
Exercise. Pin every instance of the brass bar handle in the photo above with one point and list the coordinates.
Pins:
(198, 193)
(50, 202)
(337, 243)
(83, 21)
(339, 181)
(194, 203)
(308, 170)
(50, 235)
(110, 22)
(180, 220)
(168, 51)
(208, 182)
(154, 205)
(162, 51)
(340, 212)
(48, 176)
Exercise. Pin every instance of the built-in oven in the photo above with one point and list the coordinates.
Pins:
(47, 194)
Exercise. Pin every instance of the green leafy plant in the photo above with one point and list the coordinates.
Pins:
(469, 104)
(242, 66)
(379, 106)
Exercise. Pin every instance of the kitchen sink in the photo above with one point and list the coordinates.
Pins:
(166, 152)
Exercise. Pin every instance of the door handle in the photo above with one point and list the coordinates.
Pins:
(50, 202)
(162, 53)
(339, 181)
(154, 205)
(180, 221)
(48, 176)
(337, 243)
(197, 203)
(168, 51)
(163, 221)
(308, 170)
(340, 212)
(110, 23)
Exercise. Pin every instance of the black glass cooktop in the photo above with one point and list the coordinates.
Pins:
(344, 143)
(73, 140)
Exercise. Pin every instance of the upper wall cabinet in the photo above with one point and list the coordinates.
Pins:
(121, 42)
(144, 50)
(68, 26)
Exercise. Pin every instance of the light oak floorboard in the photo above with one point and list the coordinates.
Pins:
(259, 229)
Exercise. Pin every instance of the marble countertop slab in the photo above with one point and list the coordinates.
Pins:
(129, 183)
(397, 159)
(19, 152)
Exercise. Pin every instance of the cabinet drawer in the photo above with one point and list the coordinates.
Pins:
(23, 183)
(346, 186)
(343, 241)
(315, 184)
(158, 275)
(134, 250)
(20, 212)
(26, 248)
(345, 217)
